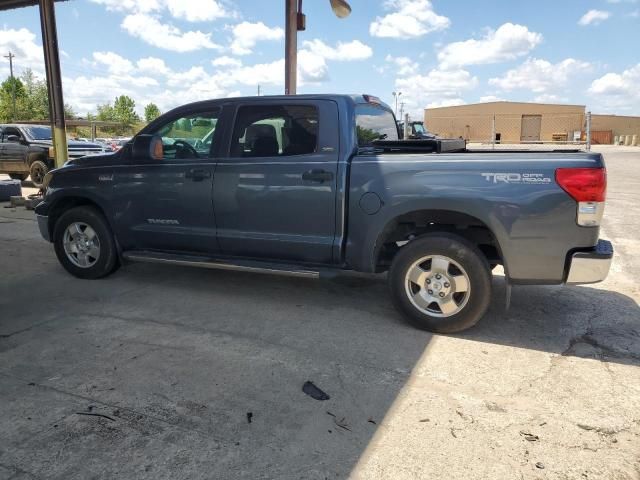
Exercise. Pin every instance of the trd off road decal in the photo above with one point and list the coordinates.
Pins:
(516, 178)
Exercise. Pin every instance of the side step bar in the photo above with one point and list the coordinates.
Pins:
(206, 262)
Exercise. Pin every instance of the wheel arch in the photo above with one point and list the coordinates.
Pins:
(38, 154)
(65, 203)
(410, 225)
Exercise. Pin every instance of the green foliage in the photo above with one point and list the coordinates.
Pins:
(125, 110)
(151, 112)
(32, 99)
(366, 136)
(7, 89)
(122, 111)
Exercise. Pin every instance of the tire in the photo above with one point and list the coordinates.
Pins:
(84, 244)
(37, 170)
(18, 176)
(459, 277)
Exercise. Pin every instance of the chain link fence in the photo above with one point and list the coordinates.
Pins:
(548, 128)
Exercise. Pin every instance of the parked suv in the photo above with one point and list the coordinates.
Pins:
(26, 150)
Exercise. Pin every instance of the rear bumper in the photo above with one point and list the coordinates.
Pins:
(43, 226)
(591, 266)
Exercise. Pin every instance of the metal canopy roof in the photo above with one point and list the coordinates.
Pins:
(10, 4)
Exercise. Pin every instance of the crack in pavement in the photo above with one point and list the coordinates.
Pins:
(152, 418)
(589, 339)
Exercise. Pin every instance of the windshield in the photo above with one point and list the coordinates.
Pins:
(374, 123)
(418, 128)
(38, 133)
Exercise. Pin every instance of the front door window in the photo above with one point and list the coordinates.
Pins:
(188, 137)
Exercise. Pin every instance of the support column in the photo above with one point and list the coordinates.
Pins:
(54, 80)
(291, 47)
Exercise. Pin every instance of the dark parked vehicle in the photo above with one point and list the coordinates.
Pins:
(26, 150)
(416, 131)
(314, 183)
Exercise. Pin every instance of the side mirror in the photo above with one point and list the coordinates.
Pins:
(147, 147)
(13, 138)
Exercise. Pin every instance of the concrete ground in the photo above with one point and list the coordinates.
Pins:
(174, 373)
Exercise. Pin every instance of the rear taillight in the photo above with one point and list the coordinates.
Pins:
(588, 187)
(583, 184)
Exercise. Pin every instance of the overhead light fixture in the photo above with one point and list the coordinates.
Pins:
(340, 8)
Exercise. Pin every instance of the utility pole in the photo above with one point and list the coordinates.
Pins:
(11, 56)
(295, 21)
(258, 89)
(402, 104)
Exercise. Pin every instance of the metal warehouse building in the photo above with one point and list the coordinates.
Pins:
(516, 122)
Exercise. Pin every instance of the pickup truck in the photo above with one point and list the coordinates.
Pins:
(25, 150)
(309, 184)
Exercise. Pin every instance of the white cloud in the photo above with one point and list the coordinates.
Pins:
(508, 42)
(226, 61)
(246, 35)
(618, 90)
(436, 88)
(189, 10)
(448, 102)
(312, 68)
(153, 65)
(593, 17)
(196, 10)
(550, 98)
(402, 65)
(490, 98)
(260, 74)
(413, 18)
(22, 44)
(115, 63)
(193, 75)
(540, 75)
(150, 30)
(343, 51)
(138, 6)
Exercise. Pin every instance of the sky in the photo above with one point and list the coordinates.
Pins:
(436, 53)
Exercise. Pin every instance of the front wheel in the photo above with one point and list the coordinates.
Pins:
(84, 244)
(37, 171)
(441, 283)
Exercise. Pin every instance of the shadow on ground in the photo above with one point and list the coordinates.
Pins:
(175, 359)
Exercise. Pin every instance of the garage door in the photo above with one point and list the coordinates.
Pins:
(531, 128)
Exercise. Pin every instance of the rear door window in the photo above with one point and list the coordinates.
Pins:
(275, 131)
(374, 123)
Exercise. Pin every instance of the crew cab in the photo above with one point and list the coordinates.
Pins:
(26, 150)
(307, 184)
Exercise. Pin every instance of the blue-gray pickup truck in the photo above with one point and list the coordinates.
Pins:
(307, 184)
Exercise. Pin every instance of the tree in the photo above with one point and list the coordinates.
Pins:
(37, 104)
(124, 110)
(8, 88)
(32, 99)
(151, 112)
(106, 113)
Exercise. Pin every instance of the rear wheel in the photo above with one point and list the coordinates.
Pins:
(441, 283)
(37, 171)
(18, 176)
(84, 243)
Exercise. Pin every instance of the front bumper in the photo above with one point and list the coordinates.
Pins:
(43, 226)
(591, 266)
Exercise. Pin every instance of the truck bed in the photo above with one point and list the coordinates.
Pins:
(441, 145)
